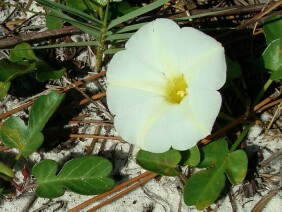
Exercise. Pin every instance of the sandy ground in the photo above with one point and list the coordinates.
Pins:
(161, 195)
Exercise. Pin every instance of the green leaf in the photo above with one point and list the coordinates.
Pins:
(77, 4)
(85, 27)
(53, 6)
(190, 157)
(233, 69)
(204, 187)
(119, 9)
(236, 166)
(27, 139)
(42, 109)
(160, 163)
(137, 12)
(133, 27)
(113, 51)
(15, 133)
(22, 51)
(44, 72)
(123, 36)
(53, 22)
(4, 88)
(214, 153)
(273, 28)
(124, 8)
(272, 58)
(6, 173)
(10, 70)
(276, 75)
(83, 175)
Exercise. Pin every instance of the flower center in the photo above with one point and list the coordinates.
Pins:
(176, 89)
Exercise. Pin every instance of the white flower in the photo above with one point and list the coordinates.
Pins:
(162, 88)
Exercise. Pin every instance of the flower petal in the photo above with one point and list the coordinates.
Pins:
(153, 45)
(174, 129)
(120, 98)
(132, 122)
(126, 70)
(204, 106)
(209, 73)
(193, 46)
(182, 126)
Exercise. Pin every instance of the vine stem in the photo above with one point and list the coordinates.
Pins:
(101, 45)
(240, 138)
(262, 91)
(19, 155)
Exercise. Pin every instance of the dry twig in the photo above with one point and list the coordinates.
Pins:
(143, 178)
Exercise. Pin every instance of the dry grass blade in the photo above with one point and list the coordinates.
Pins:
(82, 102)
(96, 122)
(95, 136)
(274, 157)
(11, 41)
(117, 196)
(11, 112)
(146, 175)
(271, 104)
(87, 79)
(94, 97)
(77, 83)
(90, 148)
(260, 15)
(275, 116)
(264, 200)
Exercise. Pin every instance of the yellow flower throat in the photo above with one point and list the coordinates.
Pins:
(176, 89)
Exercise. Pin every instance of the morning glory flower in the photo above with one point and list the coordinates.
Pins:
(162, 88)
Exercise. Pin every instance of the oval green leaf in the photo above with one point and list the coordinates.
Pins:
(44, 72)
(214, 153)
(272, 58)
(85, 175)
(272, 28)
(190, 157)
(22, 51)
(160, 163)
(5, 172)
(14, 133)
(4, 88)
(28, 139)
(10, 70)
(53, 22)
(236, 166)
(203, 188)
(42, 109)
